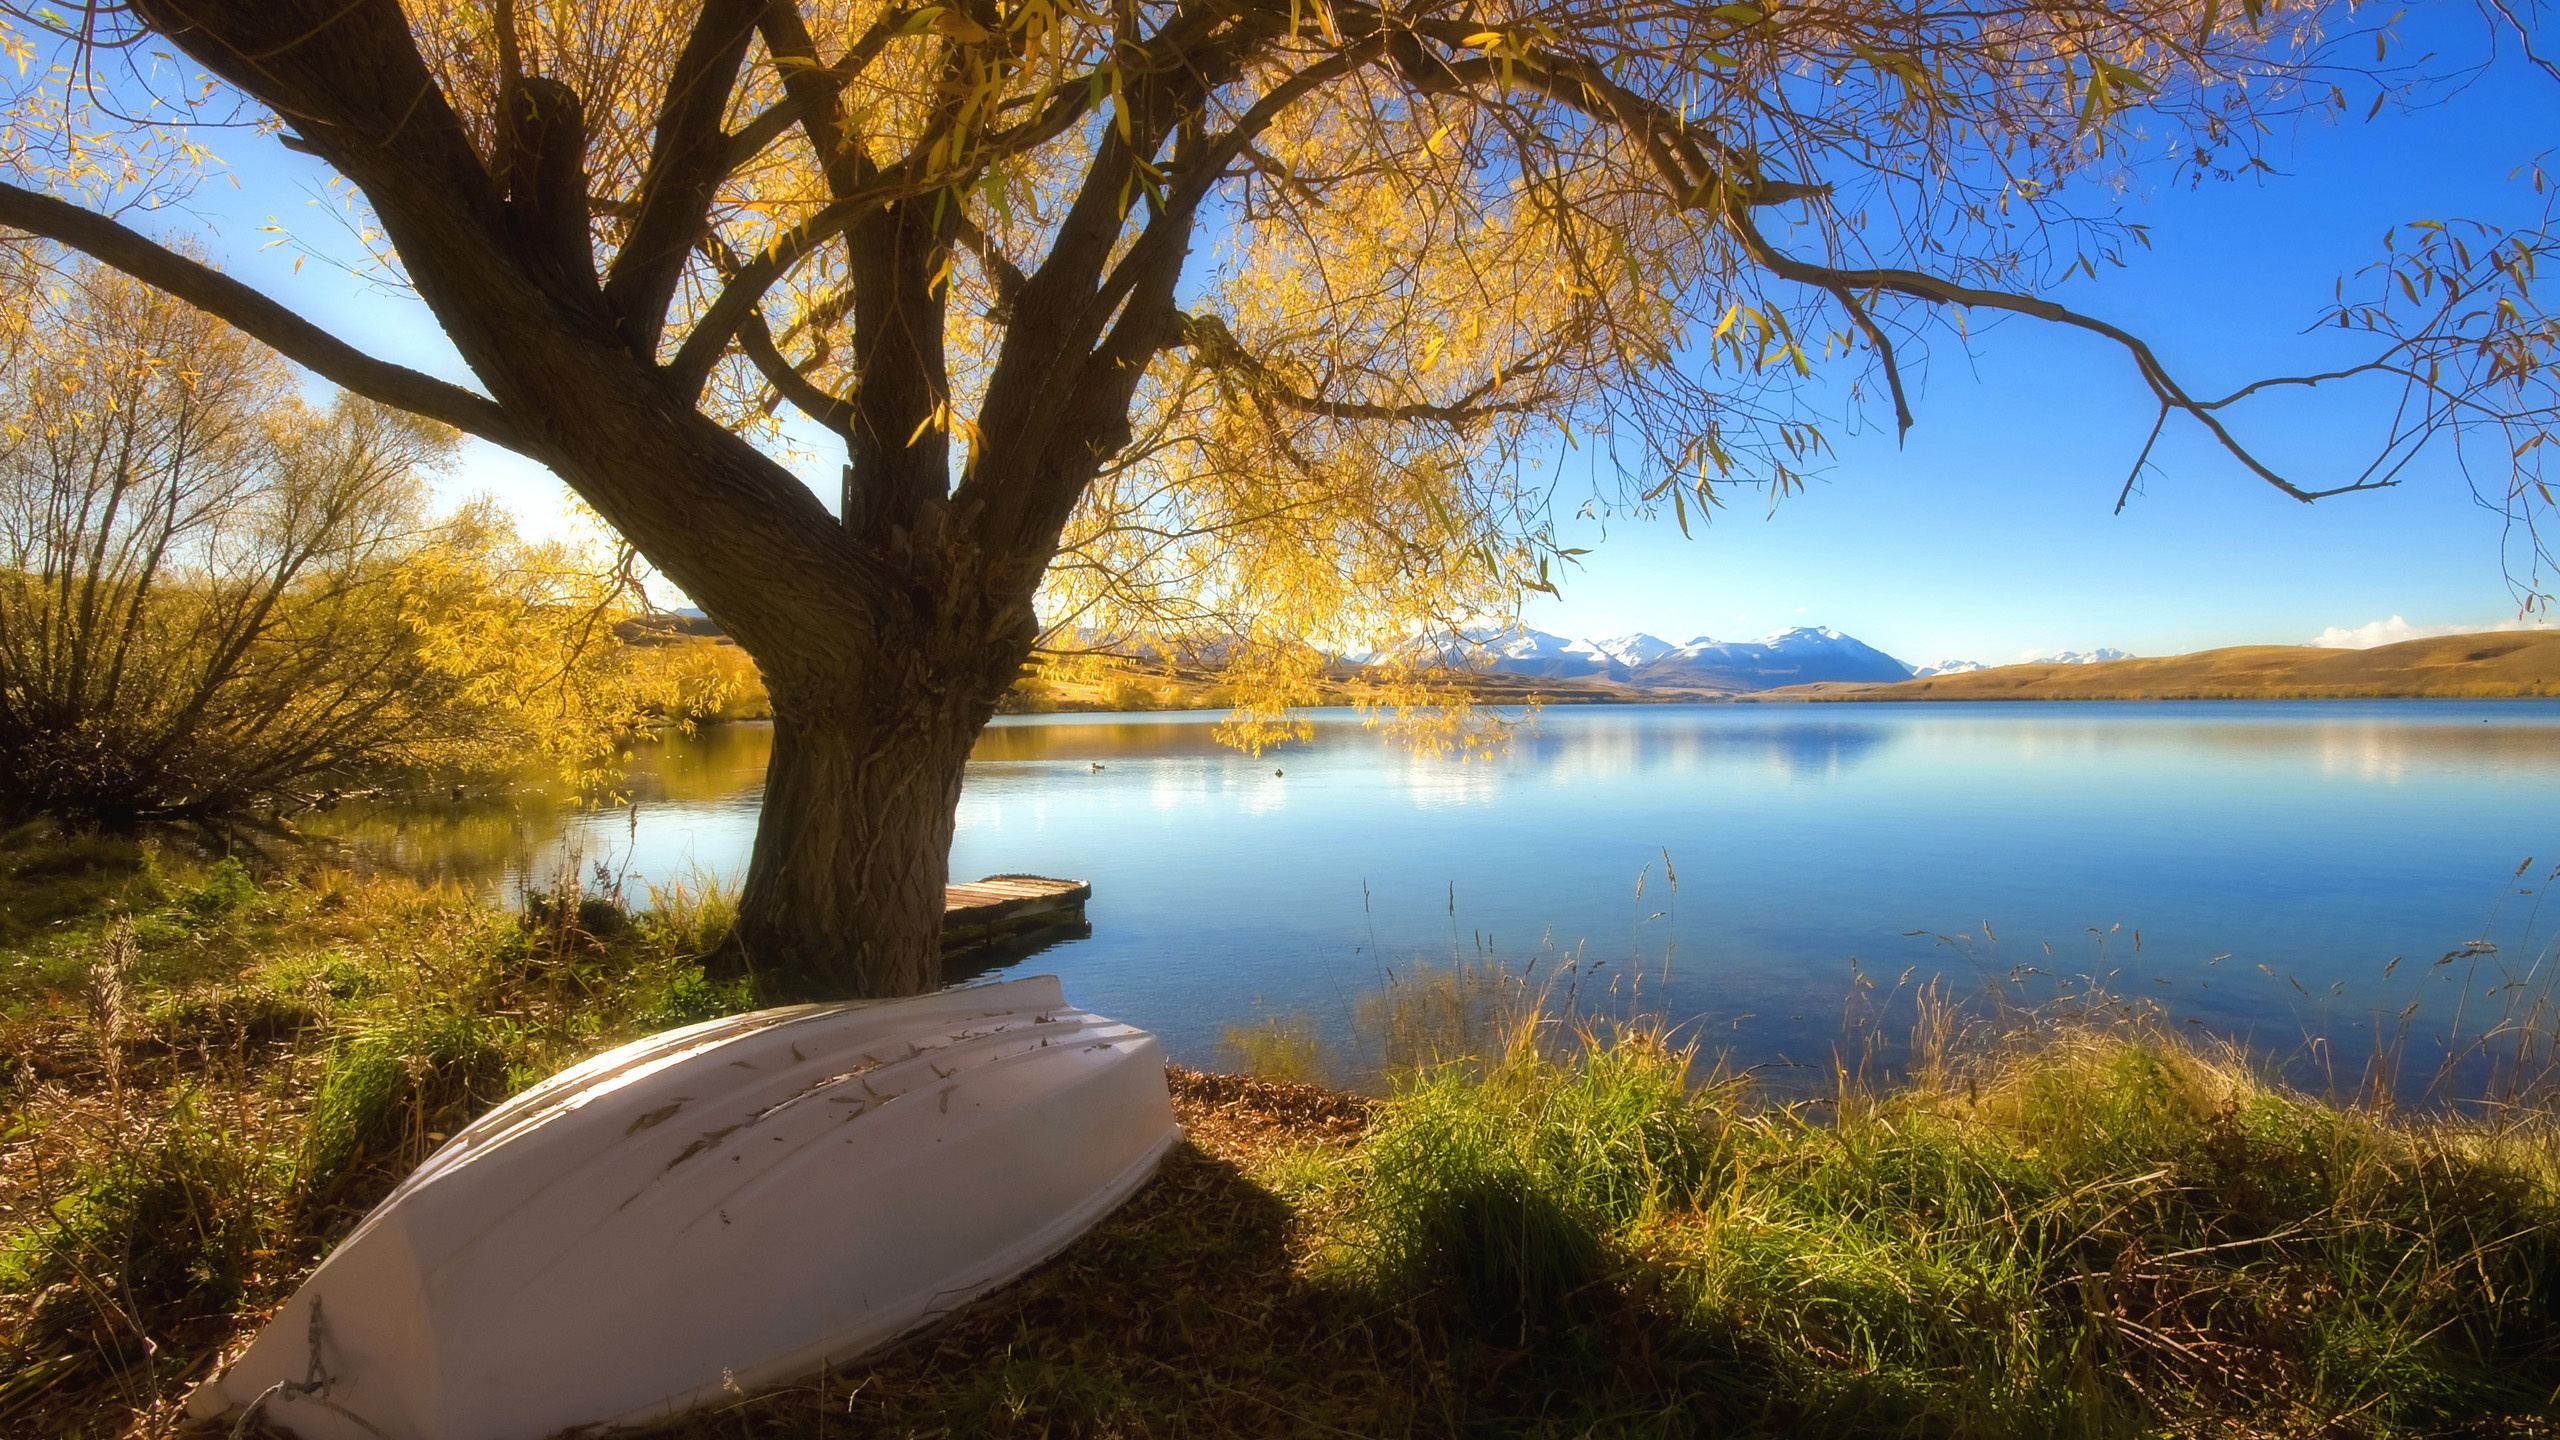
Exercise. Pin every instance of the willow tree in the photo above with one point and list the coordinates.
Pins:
(1244, 315)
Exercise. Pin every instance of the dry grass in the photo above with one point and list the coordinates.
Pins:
(2497, 665)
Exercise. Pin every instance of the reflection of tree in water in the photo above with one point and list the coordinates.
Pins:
(484, 838)
(716, 762)
(476, 842)
(1062, 738)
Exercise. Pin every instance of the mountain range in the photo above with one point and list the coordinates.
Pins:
(1800, 656)
(1804, 655)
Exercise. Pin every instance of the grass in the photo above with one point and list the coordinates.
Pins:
(214, 1068)
(1541, 1224)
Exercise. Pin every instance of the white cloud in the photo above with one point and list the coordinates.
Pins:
(2394, 629)
(2385, 632)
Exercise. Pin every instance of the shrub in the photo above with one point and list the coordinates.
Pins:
(226, 890)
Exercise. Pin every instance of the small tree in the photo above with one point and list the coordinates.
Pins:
(199, 605)
(214, 596)
(1229, 315)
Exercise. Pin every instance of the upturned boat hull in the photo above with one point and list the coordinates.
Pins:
(713, 1209)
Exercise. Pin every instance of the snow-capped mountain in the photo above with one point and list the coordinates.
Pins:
(1801, 656)
(1519, 650)
(1636, 650)
(1790, 657)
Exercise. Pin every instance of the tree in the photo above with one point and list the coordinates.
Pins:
(961, 238)
(215, 596)
(198, 599)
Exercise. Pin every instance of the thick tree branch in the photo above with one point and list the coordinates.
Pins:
(690, 156)
(806, 395)
(289, 334)
(812, 90)
(545, 142)
(1100, 398)
(691, 367)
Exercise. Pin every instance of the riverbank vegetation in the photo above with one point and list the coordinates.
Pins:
(1539, 1224)
(217, 598)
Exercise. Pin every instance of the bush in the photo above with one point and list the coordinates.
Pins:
(226, 890)
(695, 997)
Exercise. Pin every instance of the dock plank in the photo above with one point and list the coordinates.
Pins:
(1008, 899)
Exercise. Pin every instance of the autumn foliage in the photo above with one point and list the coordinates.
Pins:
(216, 595)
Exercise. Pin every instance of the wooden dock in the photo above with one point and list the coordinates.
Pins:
(1004, 909)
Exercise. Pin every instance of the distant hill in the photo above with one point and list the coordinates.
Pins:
(2497, 664)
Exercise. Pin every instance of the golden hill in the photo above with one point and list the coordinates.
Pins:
(2499, 664)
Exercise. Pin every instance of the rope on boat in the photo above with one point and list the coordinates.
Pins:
(315, 1383)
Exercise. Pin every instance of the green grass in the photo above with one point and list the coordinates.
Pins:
(2098, 1230)
(1541, 1226)
(213, 1070)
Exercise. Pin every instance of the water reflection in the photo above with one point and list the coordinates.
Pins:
(1674, 743)
(2316, 840)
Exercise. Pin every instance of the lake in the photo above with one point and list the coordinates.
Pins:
(2253, 867)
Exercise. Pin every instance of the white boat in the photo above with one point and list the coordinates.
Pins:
(713, 1209)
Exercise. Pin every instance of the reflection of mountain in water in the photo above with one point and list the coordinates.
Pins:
(1797, 751)
(2379, 747)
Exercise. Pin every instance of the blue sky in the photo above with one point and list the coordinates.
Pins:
(1988, 535)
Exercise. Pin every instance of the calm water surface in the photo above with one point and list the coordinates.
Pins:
(2252, 866)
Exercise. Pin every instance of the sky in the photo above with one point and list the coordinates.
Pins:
(1988, 534)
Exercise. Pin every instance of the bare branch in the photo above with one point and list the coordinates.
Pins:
(806, 395)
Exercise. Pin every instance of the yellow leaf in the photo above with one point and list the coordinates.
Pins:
(961, 28)
(927, 423)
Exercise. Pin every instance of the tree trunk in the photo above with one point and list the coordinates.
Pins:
(843, 896)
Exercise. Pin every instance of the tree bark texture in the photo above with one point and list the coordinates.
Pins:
(844, 893)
